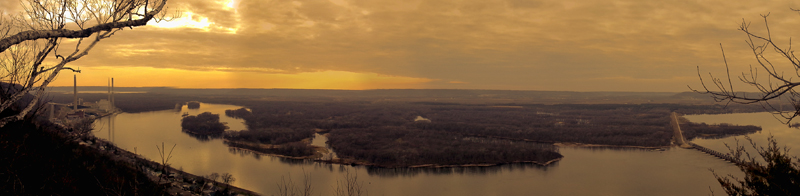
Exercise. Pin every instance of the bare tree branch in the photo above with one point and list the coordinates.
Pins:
(83, 33)
(28, 38)
(773, 94)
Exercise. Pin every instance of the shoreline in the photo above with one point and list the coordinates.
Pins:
(344, 161)
(257, 147)
(175, 179)
(422, 166)
(583, 145)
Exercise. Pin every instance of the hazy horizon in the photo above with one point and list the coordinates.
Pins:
(169, 87)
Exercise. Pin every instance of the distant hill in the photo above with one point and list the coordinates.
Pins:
(427, 95)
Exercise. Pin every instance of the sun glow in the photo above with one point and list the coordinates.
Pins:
(189, 20)
(231, 4)
(148, 76)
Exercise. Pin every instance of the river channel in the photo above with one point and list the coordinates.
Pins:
(582, 171)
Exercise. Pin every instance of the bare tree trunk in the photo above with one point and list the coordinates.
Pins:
(48, 20)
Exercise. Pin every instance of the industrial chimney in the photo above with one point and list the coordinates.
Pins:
(112, 92)
(75, 89)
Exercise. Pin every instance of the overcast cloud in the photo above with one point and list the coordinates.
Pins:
(576, 45)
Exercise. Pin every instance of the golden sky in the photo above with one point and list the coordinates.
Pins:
(572, 45)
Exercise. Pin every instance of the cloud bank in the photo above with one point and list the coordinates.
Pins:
(574, 45)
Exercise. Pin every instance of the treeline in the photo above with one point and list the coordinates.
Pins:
(691, 130)
(154, 99)
(275, 136)
(281, 122)
(238, 113)
(193, 105)
(265, 126)
(268, 128)
(608, 135)
(602, 124)
(609, 124)
(398, 146)
(294, 149)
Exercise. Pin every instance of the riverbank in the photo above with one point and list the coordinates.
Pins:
(177, 181)
(342, 161)
(155, 176)
(46, 160)
(573, 144)
(270, 150)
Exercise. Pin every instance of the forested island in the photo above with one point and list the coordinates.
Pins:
(205, 123)
(386, 131)
(386, 134)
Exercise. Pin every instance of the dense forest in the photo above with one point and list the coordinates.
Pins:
(284, 134)
(397, 146)
(385, 133)
(193, 105)
(205, 123)
(382, 129)
(703, 130)
(611, 124)
(299, 150)
(275, 136)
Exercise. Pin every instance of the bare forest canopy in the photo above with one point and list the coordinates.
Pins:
(204, 124)
(387, 133)
(378, 127)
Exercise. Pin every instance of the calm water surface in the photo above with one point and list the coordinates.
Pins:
(583, 171)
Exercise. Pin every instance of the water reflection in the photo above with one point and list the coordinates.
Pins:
(295, 161)
(597, 171)
(784, 134)
(203, 137)
(611, 148)
(411, 172)
(244, 153)
(716, 137)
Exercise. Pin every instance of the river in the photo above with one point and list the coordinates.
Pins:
(582, 171)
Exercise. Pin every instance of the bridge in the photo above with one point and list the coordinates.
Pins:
(681, 141)
(726, 156)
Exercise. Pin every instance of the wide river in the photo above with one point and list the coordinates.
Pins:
(582, 171)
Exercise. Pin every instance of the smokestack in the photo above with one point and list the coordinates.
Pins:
(109, 90)
(112, 91)
(75, 93)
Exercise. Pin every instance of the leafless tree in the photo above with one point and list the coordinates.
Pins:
(82, 127)
(773, 78)
(228, 179)
(64, 30)
(213, 176)
(165, 157)
(349, 186)
(289, 188)
(778, 174)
